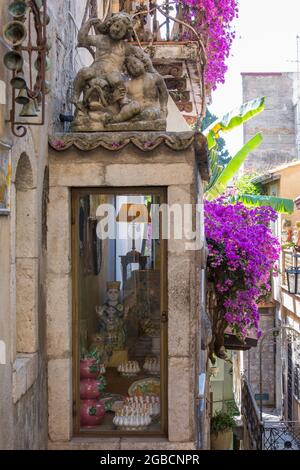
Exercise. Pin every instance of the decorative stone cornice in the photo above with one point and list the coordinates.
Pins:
(144, 141)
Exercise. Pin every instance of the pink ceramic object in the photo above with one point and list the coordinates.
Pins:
(89, 368)
(90, 389)
(91, 413)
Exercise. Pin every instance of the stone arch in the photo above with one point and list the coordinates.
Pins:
(26, 258)
(24, 174)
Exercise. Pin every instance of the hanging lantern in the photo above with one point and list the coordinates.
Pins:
(293, 279)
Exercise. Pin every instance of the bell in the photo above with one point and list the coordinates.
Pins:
(22, 97)
(13, 61)
(47, 19)
(29, 110)
(14, 33)
(47, 87)
(37, 102)
(18, 82)
(37, 63)
(39, 3)
(17, 9)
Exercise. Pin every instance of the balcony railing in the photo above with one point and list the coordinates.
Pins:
(287, 261)
(251, 417)
(158, 20)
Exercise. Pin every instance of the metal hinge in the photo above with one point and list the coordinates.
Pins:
(164, 317)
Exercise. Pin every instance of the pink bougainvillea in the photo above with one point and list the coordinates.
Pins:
(212, 19)
(242, 254)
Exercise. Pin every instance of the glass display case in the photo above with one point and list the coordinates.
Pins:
(119, 298)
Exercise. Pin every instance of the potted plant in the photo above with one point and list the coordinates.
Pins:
(221, 430)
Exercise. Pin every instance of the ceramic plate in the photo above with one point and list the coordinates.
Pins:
(149, 386)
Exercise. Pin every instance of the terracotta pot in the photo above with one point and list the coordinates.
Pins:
(89, 369)
(221, 441)
(91, 388)
(91, 413)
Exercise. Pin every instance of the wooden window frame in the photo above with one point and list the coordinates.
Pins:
(76, 193)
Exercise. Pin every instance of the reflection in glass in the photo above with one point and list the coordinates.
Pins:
(119, 305)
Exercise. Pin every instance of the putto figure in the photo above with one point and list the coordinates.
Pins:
(100, 91)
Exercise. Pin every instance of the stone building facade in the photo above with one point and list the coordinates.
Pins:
(277, 123)
(36, 284)
(23, 371)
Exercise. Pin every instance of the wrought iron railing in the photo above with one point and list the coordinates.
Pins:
(269, 435)
(158, 20)
(251, 417)
(280, 435)
(287, 261)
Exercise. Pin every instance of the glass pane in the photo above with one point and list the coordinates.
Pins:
(119, 304)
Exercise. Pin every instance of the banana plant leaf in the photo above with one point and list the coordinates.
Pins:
(215, 168)
(233, 119)
(285, 206)
(219, 186)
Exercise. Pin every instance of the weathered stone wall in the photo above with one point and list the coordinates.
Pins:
(128, 167)
(251, 361)
(23, 378)
(276, 122)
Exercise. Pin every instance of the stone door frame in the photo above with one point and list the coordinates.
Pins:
(162, 167)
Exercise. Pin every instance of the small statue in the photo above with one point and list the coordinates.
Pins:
(111, 322)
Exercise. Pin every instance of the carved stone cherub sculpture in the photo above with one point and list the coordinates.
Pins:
(147, 93)
(100, 91)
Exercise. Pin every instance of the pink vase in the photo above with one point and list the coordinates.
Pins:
(91, 413)
(89, 368)
(90, 389)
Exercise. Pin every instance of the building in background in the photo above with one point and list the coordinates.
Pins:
(278, 122)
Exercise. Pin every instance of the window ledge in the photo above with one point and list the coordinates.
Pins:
(25, 372)
(121, 443)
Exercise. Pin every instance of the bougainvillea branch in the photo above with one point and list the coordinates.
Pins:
(242, 254)
(212, 19)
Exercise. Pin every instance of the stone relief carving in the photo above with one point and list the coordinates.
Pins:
(120, 90)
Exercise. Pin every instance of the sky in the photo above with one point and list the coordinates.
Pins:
(266, 32)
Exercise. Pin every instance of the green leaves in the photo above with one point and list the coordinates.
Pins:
(219, 184)
(233, 119)
(277, 203)
(222, 176)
